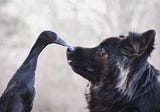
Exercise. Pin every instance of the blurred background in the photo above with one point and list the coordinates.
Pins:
(78, 22)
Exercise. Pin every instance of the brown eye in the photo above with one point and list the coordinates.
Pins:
(102, 53)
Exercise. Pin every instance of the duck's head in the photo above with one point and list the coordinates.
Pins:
(49, 37)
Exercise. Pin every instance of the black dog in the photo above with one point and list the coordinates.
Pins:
(121, 78)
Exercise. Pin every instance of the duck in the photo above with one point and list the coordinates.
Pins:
(20, 91)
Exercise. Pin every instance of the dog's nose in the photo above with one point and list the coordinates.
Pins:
(71, 49)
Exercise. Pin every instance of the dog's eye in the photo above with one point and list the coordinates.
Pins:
(101, 53)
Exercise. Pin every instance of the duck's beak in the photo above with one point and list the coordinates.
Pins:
(60, 42)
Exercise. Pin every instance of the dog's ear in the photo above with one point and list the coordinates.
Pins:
(142, 43)
(148, 38)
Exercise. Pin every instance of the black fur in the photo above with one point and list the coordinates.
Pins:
(121, 79)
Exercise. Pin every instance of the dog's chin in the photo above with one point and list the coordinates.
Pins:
(86, 72)
(79, 71)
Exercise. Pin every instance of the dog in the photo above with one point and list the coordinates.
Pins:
(120, 76)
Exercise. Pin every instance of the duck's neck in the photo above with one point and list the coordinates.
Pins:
(26, 73)
(32, 58)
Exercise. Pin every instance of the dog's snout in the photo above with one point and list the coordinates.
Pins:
(71, 49)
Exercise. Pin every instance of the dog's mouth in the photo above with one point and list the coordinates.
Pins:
(69, 61)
